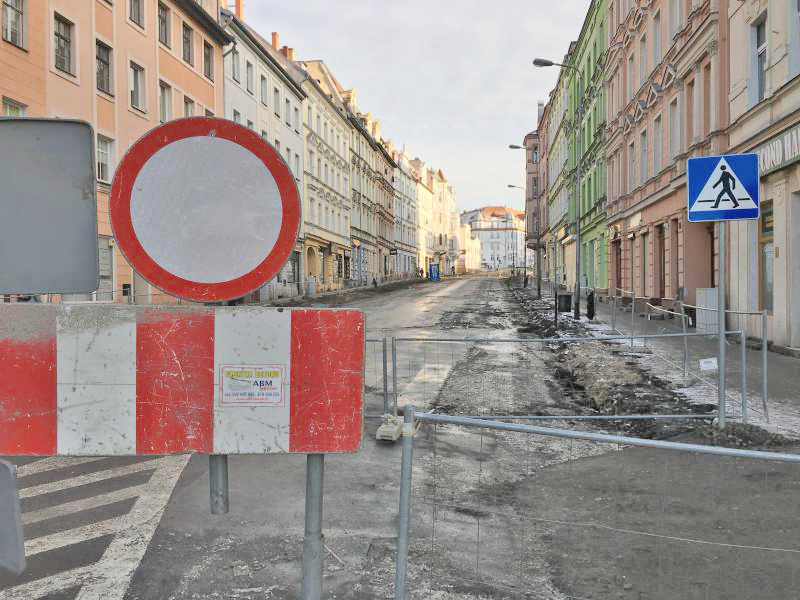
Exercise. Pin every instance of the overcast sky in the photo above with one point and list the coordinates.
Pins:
(450, 79)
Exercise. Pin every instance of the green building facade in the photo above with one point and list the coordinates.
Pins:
(587, 117)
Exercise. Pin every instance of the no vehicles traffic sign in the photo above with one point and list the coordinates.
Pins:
(205, 209)
(723, 188)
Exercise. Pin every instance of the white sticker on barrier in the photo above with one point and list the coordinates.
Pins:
(709, 364)
(252, 385)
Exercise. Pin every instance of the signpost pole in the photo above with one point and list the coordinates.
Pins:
(312, 542)
(721, 317)
(218, 483)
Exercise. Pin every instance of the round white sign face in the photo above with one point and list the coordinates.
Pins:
(182, 222)
(205, 209)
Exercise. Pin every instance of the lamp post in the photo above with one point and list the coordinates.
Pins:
(543, 62)
(524, 240)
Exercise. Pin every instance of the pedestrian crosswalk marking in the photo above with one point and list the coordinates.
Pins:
(112, 543)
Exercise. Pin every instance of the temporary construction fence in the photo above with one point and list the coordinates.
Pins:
(750, 361)
(512, 510)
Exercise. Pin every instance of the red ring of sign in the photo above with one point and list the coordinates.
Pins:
(122, 226)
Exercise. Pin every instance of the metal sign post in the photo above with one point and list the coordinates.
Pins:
(12, 544)
(720, 189)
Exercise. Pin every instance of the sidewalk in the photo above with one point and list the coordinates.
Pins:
(664, 358)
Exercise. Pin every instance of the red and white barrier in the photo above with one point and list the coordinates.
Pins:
(124, 380)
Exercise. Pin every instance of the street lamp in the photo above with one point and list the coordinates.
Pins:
(524, 239)
(543, 62)
(515, 147)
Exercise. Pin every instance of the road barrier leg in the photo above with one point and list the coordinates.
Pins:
(404, 522)
(312, 542)
(385, 380)
(633, 315)
(218, 483)
(394, 372)
(685, 341)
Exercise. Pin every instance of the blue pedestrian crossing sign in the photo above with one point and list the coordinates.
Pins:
(723, 188)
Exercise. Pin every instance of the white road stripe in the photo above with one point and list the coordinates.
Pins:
(114, 571)
(419, 392)
(54, 462)
(65, 484)
(68, 508)
(41, 588)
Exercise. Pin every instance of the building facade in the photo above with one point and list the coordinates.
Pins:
(469, 250)
(327, 180)
(501, 231)
(557, 143)
(764, 104)
(406, 217)
(425, 239)
(125, 68)
(587, 118)
(263, 93)
(666, 67)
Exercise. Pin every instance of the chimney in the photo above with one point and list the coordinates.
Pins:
(285, 51)
(290, 55)
(275, 39)
(239, 9)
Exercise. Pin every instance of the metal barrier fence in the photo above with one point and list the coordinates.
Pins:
(509, 510)
(521, 376)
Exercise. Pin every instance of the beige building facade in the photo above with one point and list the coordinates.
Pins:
(764, 97)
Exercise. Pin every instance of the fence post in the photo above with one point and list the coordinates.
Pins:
(614, 311)
(633, 305)
(385, 380)
(312, 541)
(685, 340)
(394, 373)
(743, 374)
(218, 483)
(764, 362)
(404, 521)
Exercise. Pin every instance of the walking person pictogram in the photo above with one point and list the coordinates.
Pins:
(728, 184)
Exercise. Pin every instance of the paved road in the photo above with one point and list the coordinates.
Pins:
(88, 521)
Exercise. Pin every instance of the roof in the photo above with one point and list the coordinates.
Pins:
(206, 20)
(498, 212)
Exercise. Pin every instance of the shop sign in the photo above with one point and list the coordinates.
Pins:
(779, 152)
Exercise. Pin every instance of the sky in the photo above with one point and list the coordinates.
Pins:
(452, 80)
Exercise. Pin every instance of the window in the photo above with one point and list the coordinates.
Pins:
(250, 124)
(137, 86)
(297, 166)
(13, 22)
(657, 145)
(642, 60)
(630, 78)
(276, 101)
(188, 107)
(767, 253)
(631, 167)
(656, 38)
(309, 116)
(319, 122)
(237, 118)
(674, 15)
(643, 158)
(277, 145)
(13, 109)
(103, 59)
(325, 129)
(164, 102)
(296, 119)
(235, 66)
(63, 44)
(690, 91)
(137, 13)
(674, 130)
(264, 134)
(250, 76)
(319, 168)
(289, 157)
(105, 255)
(188, 44)
(163, 24)
(761, 57)
(287, 112)
(104, 159)
(263, 90)
(208, 61)
(311, 162)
